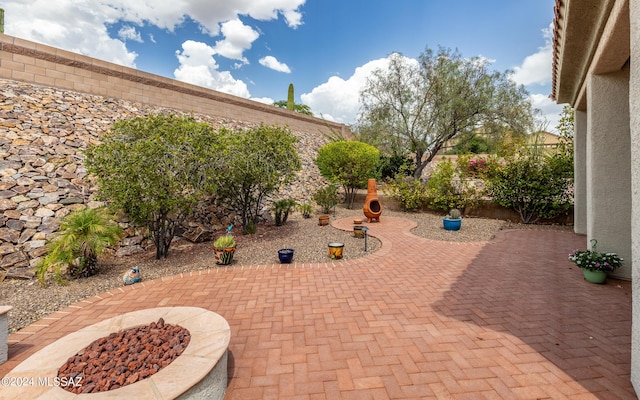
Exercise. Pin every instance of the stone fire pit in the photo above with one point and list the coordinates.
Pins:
(200, 372)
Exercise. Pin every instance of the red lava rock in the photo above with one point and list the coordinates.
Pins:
(133, 378)
(124, 357)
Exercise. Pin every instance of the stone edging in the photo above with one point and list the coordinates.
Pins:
(205, 354)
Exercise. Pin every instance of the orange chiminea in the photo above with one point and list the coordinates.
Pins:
(372, 208)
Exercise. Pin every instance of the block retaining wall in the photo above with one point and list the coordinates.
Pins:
(54, 103)
(31, 62)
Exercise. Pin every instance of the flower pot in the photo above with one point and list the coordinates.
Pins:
(359, 231)
(357, 221)
(594, 276)
(335, 250)
(452, 224)
(285, 256)
(323, 220)
(224, 256)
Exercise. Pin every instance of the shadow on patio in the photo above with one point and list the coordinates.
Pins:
(522, 284)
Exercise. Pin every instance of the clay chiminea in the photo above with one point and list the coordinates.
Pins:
(372, 208)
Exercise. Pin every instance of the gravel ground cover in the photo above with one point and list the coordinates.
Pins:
(31, 301)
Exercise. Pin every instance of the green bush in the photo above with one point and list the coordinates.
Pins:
(535, 187)
(306, 209)
(83, 236)
(326, 197)
(155, 168)
(348, 163)
(410, 192)
(391, 166)
(254, 164)
(281, 210)
(447, 188)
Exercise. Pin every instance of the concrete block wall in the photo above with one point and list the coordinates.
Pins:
(31, 62)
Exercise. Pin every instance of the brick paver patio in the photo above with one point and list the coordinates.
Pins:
(506, 319)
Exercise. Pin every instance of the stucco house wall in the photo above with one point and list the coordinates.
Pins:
(596, 69)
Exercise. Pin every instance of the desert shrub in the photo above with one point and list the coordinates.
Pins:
(533, 187)
(448, 188)
(155, 169)
(530, 181)
(326, 197)
(306, 209)
(254, 164)
(348, 163)
(410, 192)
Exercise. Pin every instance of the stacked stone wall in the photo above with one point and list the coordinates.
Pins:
(54, 103)
(43, 134)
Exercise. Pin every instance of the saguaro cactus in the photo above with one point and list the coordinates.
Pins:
(1, 20)
(290, 102)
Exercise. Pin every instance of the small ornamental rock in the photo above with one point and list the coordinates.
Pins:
(132, 276)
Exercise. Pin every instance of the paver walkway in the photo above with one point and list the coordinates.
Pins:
(507, 319)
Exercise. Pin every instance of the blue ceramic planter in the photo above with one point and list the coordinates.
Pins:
(452, 224)
(285, 256)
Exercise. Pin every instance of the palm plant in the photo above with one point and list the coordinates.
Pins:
(83, 236)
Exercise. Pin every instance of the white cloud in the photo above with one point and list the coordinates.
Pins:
(129, 33)
(274, 64)
(263, 100)
(238, 37)
(210, 13)
(198, 67)
(339, 99)
(535, 73)
(550, 111)
(82, 26)
(536, 68)
(69, 25)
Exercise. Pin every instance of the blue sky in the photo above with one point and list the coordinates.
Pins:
(326, 48)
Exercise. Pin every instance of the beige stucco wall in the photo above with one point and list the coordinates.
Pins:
(634, 122)
(580, 173)
(608, 160)
(26, 61)
(597, 71)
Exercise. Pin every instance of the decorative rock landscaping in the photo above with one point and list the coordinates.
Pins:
(124, 358)
(43, 133)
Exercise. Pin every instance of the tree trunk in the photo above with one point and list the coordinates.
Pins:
(162, 232)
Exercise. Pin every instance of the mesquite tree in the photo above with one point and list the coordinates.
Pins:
(419, 105)
(155, 169)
